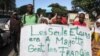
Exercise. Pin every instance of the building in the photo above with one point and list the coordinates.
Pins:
(7, 6)
(12, 5)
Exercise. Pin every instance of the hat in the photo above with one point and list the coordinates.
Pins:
(14, 13)
(98, 20)
(81, 12)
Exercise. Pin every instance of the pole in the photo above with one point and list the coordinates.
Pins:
(34, 5)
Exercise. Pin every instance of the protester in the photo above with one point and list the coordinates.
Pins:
(29, 18)
(96, 39)
(59, 20)
(15, 30)
(43, 20)
(81, 20)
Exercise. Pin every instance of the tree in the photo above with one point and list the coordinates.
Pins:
(4, 4)
(41, 11)
(56, 8)
(87, 5)
(22, 10)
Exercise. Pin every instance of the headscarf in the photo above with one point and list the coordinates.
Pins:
(98, 28)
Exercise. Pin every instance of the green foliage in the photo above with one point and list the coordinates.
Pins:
(4, 4)
(88, 6)
(56, 8)
(41, 11)
(22, 10)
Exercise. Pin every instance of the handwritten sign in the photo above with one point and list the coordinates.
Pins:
(55, 40)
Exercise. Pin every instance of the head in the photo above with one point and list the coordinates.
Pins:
(98, 23)
(29, 8)
(81, 17)
(14, 15)
(44, 21)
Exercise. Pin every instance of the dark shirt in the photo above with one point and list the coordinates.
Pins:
(15, 25)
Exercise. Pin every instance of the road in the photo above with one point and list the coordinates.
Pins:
(7, 50)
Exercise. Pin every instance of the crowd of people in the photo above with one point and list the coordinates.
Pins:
(31, 18)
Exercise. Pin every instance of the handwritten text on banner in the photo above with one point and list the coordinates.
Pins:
(55, 40)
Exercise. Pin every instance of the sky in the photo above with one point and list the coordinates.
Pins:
(44, 3)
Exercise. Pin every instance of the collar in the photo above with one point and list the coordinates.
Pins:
(28, 14)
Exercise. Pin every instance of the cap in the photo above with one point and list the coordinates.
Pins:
(98, 20)
(14, 13)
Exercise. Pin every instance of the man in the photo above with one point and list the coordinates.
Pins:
(43, 20)
(15, 30)
(96, 39)
(59, 20)
(29, 18)
(80, 22)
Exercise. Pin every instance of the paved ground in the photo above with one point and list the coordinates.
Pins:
(7, 50)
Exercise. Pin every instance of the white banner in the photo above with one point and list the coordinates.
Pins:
(55, 40)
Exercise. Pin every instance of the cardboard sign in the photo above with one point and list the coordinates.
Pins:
(55, 40)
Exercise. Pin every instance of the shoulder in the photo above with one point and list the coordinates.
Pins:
(34, 14)
(24, 15)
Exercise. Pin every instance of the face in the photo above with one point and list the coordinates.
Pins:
(29, 8)
(98, 24)
(44, 21)
(81, 17)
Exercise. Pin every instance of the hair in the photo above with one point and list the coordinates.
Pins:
(30, 5)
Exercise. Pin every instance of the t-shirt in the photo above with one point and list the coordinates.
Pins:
(79, 24)
(29, 19)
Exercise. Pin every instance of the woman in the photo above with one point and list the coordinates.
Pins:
(96, 39)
